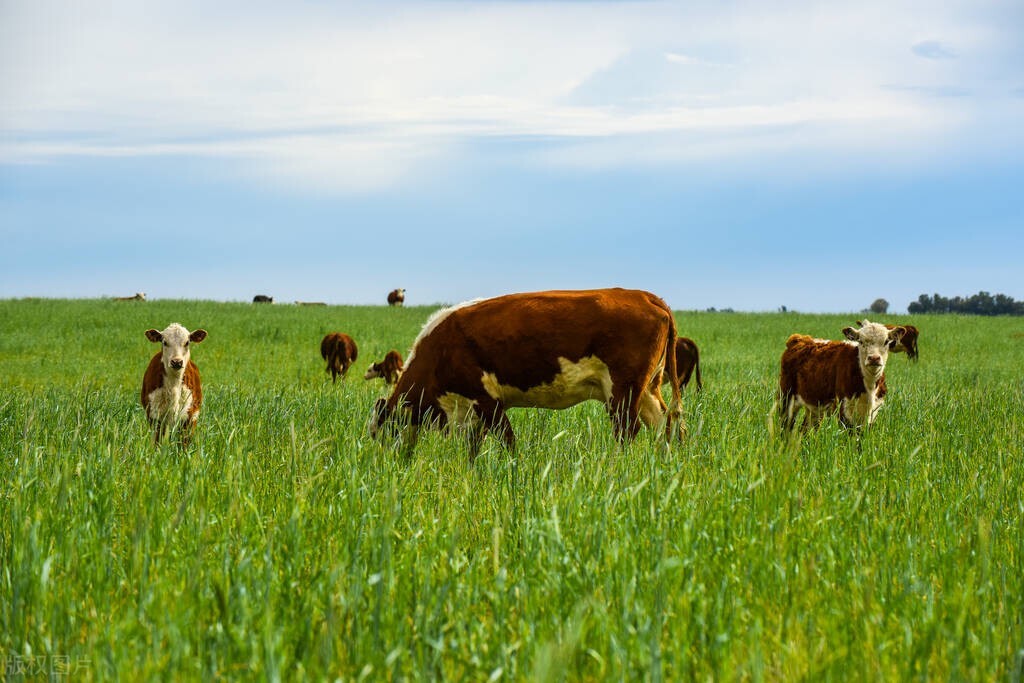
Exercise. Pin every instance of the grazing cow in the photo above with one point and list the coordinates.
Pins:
(171, 389)
(340, 351)
(396, 297)
(262, 299)
(907, 343)
(552, 349)
(139, 296)
(821, 376)
(687, 360)
(390, 368)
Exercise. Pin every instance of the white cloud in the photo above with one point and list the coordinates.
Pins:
(357, 96)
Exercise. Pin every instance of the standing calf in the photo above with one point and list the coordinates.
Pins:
(389, 368)
(171, 390)
(339, 350)
(821, 376)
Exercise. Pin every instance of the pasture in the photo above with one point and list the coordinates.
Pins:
(284, 543)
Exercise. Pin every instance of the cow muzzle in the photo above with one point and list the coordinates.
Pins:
(177, 363)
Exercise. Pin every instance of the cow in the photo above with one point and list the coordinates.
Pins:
(823, 376)
(390, 368)
(553, 349)
(396, 297)
(687, 360)
(907, 343)
(262, 299)
(340, 352)
(172, 392)
(139, 296)
(310, 303)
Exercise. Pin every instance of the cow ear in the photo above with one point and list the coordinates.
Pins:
(851, 333)
(896, 333)
(154, 336)
(197, 336)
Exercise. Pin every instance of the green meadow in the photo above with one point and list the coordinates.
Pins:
(285, 544)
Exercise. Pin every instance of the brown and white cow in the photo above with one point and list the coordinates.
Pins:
(340, 352)
(396, 297)
(554, 349)
(390, 368)
(171, 389)
(822, 376)
(687, 361)
(907, 343)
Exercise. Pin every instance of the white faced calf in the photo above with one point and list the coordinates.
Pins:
(171, 390)
(821, 375)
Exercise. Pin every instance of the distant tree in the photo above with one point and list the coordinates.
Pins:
(880, 306)
(981, 303)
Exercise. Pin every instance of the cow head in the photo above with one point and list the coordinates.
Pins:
(393, 425)
(176, 340)
(874, 341)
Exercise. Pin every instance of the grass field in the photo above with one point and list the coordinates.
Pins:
(286, 544)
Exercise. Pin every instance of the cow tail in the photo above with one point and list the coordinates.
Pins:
(696, 367)
(675, 408)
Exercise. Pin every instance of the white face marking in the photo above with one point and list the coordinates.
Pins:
(577, 382)
(175, 348)
(872, 347)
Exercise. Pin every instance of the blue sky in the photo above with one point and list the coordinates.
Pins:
(729, 154)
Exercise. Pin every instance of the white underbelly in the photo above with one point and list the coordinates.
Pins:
(584, 380)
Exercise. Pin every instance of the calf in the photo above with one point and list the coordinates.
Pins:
(687, 361)
(389, 368)
(171, 390)
(552, 349)
(340, 351)
(821, 376)
(907, 343)
(396, 297)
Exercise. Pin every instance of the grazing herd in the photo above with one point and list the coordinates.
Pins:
(472, 362)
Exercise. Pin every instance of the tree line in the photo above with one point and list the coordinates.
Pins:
(981, 303)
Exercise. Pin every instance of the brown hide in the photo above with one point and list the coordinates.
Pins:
(340, 351)
(396, 297)
(519, 338)
(154, 379)
(820, 372)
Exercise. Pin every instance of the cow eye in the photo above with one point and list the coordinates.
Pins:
(186, 344)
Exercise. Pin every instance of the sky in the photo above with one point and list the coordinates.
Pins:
(744, 155)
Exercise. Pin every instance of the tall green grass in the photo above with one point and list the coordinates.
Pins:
(286, 544)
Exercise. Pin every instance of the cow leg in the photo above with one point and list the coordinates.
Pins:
(625, 412)
(496, 420)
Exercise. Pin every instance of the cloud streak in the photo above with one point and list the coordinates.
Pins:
(359, 98)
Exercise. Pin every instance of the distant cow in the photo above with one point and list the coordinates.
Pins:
(687, 361)
(473, 361)
(907, 343)
(139, 296)
(262, 299)
(822, 376)
(340, 352)
(310, 303)
(390, 368)
(171, 390)
(396, 297)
